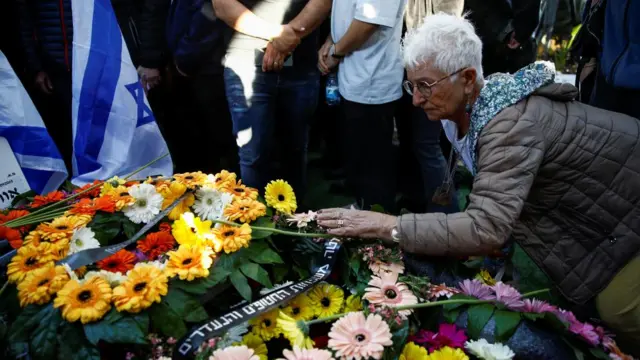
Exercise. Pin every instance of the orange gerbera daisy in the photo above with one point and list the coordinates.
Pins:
(62, 227)
(51, 197)
(15, 214)
(95, 192)
(245, 210)
(223, 179)
(27, 259)
(166, 227)
(33, 238)
(121, 262)
(120, 195)
(159, 182)
(156, 244)
(91, 206)
(233, 238)
(241, 191)
(192, 179)
(12, 235)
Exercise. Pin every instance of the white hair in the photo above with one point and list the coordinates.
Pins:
(448, 42)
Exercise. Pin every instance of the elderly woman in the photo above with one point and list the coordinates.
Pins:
(559, 177)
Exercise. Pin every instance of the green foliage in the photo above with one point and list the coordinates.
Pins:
(450, 316)
(506, 324)
(477, 318)
(166, 321)
(399, 338)
(530, 277)
(217, 275)
(265, 222)
(119, 328)
(457, 297)
(239, 281)
(106, 226)
(257, 273)
(185, 305)
(43, 339)
(74, 345)
(27, 197)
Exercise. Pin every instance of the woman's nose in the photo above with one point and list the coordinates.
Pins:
(418, 99)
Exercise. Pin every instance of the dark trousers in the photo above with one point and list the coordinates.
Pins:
(272, 111)
(611, 98)
(368, 150)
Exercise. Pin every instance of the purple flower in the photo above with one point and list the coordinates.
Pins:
(476, 289)
(538, 306)
(508, 296)
(140, 256)
(587, 331)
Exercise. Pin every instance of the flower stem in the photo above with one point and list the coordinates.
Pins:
(4, 287)
(40, 218)
(146, 165)
(277, 231)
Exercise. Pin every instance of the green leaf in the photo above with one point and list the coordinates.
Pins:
(554, 322)
(599, 353)
(28, 319)
(533, 316)
(451, 316)
(185, 305)
(130, 228)
(142, 320)
(257, 273)
(506, 324)
(478, 316)
(241, 284)
(279, 272)
(43, 339)
(265, 222)
(166, 321)
(261, 253)
(74, 345)
(399, 339)
(124, 330)
(576, 352)
(27, 196)
(106, 227)
(377, 208)
(458, 297)
(201, 286)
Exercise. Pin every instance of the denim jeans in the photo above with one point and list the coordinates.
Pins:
(270, 110)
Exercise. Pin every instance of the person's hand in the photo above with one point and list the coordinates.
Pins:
(357, 223)
(287, 40)
(273, 59)
(331, 63)
(323, 55)
(513, 43)
(150, 78)
(44, 83)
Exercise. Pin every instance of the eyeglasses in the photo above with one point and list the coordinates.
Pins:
(424, 87)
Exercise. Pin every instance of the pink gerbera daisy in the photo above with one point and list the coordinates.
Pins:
(354, 337)
(377, 266)
(385, 290)
(306, 354)
(537, 306)
(234, 353)
(508, 296)
(587, 331)
(476, 289)
(447, 335)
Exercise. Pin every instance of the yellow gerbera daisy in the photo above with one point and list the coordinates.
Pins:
(300, 308)
(189, 262)
(222, 179)
(233, 238)
(172, 193)
(447, 353)
(245, 210)
(40, 284)
(353, 304)
(486, 278)
(280, 196)
(111, 184)
(159, 182)
(190, 230)
(255, 343)
(192, 179)
(239, 190)
(326, 299)
(266, 325)
(27, 259)
(62, 227)
(86, 302)
(121, 197)
(412, 351)
(59, 250)
(145, 285)
(33, 238)
(291, 331)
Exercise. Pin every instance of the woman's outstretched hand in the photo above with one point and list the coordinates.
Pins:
(357, 223)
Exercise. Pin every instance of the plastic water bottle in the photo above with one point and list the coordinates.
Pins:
(332, 93)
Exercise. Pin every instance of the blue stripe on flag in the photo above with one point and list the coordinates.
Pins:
(30, 140)
(37, 179)
(98, 86)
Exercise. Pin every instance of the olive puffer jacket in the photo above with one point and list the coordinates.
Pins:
(560, 177)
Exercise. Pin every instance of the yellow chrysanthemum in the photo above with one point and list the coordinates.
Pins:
(172, 193)
(40, 284)
(486, 278)
(447, 353)
(293, 333)
(353, 304)
(192, 179)
(255, 343)
(145, 285)
(233, 238)
(300, 308)
(111, 184)
(221, 179)
(412, 351)
(189, 262)
(59, 250)
(326, 299)
(159, 182)
(239, 190)
(266, 325)
(62, 227)
(27, 259)
(190, 230)
(86, 302)
(120, 195)
(280, 196)
(245, 210)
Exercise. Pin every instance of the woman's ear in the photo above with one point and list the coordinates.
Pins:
(469, 75)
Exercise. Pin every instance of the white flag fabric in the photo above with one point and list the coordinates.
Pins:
(22, 126)
(114, 130)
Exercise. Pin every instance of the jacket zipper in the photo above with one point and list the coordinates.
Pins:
(64, 36)
(626, 45)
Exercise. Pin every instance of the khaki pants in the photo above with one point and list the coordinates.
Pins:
(619, 307)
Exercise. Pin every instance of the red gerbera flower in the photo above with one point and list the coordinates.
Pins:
(156, 244)
(12, 235)
(166, 227)
(51, 197)
(91, 206)
(121, 262)
(15, 214)
(95, 192)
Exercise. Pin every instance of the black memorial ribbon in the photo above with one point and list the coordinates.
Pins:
(217, 326)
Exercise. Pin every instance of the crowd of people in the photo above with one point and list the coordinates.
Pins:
(239, 84)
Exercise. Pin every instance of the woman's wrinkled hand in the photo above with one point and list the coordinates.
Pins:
(357, 223)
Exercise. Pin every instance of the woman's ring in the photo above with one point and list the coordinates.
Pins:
(340, 222)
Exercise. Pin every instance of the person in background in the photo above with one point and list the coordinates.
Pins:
(364, 46)
(560, 178)
(421, 163)
(271, 83)
(506, 29)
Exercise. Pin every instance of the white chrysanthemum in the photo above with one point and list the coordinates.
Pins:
(157, 263)
(113, 278)
(83, 239)
(147, 204)
(483, 350)
(210, 203)
(266, 291)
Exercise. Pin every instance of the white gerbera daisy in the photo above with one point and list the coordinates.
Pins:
(83, 239)
(113, 278)
(483, 350)
(147, 204)
(157, 263)
(210, 203)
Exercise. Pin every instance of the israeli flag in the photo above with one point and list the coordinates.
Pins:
(21, 125)
(114, 129)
